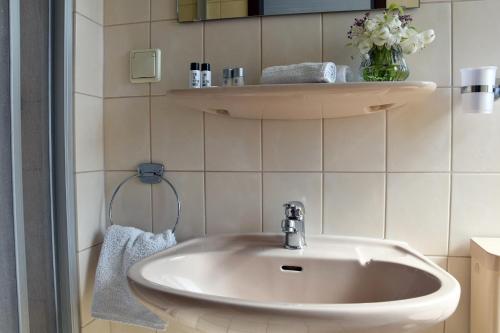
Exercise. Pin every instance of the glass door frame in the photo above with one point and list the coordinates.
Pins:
(62, 175)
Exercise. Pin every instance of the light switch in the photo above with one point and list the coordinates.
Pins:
(145, 65)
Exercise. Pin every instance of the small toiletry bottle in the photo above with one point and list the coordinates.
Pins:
(227, 80)
(238, 75)
(195, 76)
(206, 76)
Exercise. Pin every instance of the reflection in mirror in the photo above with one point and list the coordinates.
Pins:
(202, 10)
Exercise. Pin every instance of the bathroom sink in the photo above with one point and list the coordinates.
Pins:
(250, 283)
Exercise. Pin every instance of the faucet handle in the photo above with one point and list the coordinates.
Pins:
(288, 226)
(294, 210)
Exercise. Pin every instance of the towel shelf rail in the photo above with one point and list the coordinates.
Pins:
(147, 173)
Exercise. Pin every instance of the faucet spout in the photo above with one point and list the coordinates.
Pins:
(293, 225)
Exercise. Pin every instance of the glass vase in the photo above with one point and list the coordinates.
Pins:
(383, 64)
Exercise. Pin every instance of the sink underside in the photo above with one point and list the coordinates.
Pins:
(336, 284)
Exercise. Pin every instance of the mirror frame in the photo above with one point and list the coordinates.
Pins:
(196, 10)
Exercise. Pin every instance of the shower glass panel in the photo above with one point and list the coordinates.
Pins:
(28, 280)
(8, 283)
(37, 200)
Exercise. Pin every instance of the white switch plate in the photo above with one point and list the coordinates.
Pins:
(145, 65)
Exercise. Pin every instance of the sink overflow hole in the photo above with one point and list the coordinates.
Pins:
(291, 268)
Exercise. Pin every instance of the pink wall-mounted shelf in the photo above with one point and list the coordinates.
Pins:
(303, 101)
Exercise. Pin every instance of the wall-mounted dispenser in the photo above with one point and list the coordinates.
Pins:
(480, 89)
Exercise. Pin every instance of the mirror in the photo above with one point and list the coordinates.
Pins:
(203, 10)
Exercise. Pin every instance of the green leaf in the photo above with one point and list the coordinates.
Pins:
(394, 7)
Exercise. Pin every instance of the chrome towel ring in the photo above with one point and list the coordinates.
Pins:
(148, 173)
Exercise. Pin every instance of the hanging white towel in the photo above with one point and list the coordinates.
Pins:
(113, 299)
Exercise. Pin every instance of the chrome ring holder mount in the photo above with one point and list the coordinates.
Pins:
(483, 88)
(496, 90)
(148, 173)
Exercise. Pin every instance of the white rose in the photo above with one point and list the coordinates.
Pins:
(407, 32)
(412, 44)
(370, 25)
(394, 24)
(419, 40)
(428, 36)
(379, 18)
(408, 47)
(365, 46)
(393, 39)
(381, 36)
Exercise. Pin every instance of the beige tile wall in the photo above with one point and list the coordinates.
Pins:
(89, 150)
(428, 174)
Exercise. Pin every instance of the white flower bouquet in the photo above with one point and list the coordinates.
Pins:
(383, 39)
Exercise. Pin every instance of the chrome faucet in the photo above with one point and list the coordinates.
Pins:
(293, 225)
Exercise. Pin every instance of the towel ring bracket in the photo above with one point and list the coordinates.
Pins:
(148, 173)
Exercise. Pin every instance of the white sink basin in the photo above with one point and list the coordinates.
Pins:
(249, 283)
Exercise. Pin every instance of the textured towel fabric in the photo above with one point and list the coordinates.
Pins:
(321, 72)
(344, 74)
(113, 299)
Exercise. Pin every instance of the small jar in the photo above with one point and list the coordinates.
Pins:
(238, 75)
(195, 75)
(227, 80)
(206, 76)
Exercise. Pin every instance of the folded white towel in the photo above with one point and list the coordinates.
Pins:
(113, 299)
(344, 74)
(309, 72)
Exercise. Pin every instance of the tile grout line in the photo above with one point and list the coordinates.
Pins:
(151, 132)
(261, 134)
(76, 92)
(450, 213)
(123, 97)
(90, 247)
(204, 176)
(165, 20)
(203, 41)
(203, 51)
(137, 22)
(478, 173)
(322, 37)
(151, 160)
(386, 180)
(103, 130)
(262, 174)
(88, 172)
(89, 323)
(322, 199)
(452, 102)
(261, 45)
(88, 18)
(129, 23)
(452, 128)
(103, 115)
